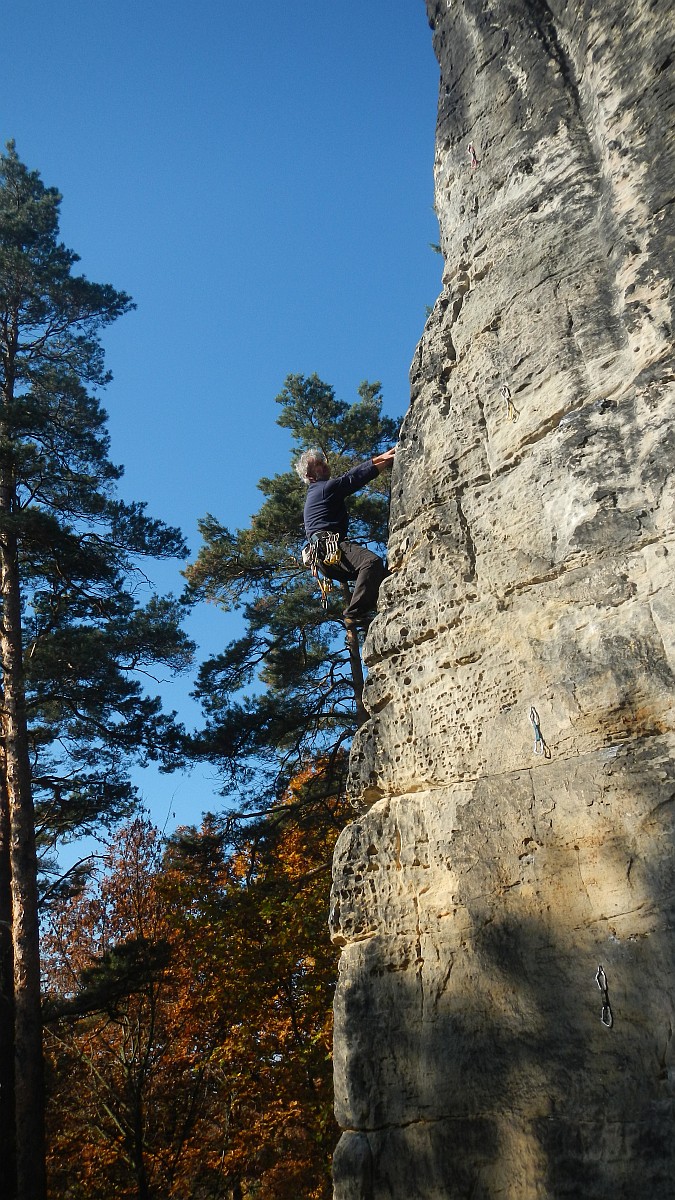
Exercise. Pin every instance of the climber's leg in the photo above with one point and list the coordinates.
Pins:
(367, 570)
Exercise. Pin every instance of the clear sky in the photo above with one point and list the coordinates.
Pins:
(259, 178)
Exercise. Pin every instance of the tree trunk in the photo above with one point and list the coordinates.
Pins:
(29, 1087)
(355, 663)
(138, 1149)
(7, 1160)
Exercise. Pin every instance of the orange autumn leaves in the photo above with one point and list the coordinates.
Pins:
(190, 1024)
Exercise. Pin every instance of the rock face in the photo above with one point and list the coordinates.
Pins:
(516, 778)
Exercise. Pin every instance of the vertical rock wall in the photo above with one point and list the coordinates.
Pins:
(497, 865)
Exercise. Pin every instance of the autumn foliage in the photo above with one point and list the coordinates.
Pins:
(189, 1005)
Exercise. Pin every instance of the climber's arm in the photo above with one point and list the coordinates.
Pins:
(352, 481)
(382, 461)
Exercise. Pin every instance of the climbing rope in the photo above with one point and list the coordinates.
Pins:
(540, 746)
(511, 411)
(606, 1014)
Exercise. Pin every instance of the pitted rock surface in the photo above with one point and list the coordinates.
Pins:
(516, 777)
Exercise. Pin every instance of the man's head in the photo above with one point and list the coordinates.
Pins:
(312, 466)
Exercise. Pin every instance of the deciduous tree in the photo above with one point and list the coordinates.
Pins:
(190, 1012)
(253, 910)
(128, 1067)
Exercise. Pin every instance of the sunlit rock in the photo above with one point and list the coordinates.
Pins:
(504, 899)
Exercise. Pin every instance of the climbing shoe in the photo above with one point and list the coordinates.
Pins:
(362, 623)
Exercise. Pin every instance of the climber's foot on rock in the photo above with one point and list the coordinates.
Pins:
(353, 624)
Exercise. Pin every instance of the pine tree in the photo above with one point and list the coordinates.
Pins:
(72, 635)
(291, 657)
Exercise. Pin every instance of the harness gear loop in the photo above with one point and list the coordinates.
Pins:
(331, 554)
(322, 549)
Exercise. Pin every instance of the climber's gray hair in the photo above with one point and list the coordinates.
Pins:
(305, 461)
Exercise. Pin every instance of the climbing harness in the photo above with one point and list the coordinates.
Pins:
(471, 151)
(540, 746)
(511, 411)
(606, 1014)
(322, 550)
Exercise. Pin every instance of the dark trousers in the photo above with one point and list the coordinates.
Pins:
(367, 571)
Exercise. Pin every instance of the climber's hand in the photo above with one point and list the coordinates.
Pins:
(382, 461)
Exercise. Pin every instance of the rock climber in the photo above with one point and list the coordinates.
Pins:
(326, 524)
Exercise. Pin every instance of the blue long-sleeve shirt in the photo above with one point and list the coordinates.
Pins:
(325, 503)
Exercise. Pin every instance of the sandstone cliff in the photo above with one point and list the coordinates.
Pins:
(516, 775)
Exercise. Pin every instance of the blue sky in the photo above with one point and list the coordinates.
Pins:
(259, 178)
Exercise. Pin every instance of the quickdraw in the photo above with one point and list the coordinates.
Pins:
(606, 1014)
(540, 746)
(322, 549)
(511, 410)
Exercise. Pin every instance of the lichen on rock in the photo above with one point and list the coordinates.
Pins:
(500, 860)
